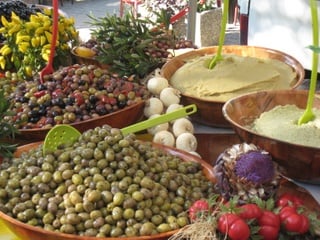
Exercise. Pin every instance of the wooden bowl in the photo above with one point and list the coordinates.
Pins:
(299, 162)
(28, 232)
(119, 119)
(209, 112)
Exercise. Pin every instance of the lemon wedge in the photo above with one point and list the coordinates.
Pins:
(84, 52)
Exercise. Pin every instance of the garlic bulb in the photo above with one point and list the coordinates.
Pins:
(173, 107)
(187, 142)
(182, 125)
(169, 96)
(165, 138)
(156, 84)
(153, 106)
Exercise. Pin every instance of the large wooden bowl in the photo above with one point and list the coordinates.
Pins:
(209, 112)
(299, 162)
(28, 232)
(119, 119)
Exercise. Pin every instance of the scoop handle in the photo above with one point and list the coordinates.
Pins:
(179, 113)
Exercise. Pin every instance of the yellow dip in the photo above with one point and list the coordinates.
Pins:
(231, 77)
(281, 123)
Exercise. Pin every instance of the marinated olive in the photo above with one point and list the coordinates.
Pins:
(102, 186)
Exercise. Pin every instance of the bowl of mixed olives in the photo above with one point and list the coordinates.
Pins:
(103, 186)
(84, 96)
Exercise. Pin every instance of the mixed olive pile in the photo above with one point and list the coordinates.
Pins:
(105, 184)
(72, 94)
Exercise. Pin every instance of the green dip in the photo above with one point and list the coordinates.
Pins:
(231, 77)
(281, 123)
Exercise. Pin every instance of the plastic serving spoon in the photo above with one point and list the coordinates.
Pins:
(62, 134)
(308, 114)
(218, 57)
(49, 67)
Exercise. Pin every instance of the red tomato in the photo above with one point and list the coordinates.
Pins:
(250, 211)
(225, 221)
(292, 222)
(286, 211)
(269, 223)
(198, 207)
(234, 226)
(304, 225)
(296, 223)
(239, 230)
(268, 233)
(289, 199)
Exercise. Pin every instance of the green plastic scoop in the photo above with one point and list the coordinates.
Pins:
(63, 134)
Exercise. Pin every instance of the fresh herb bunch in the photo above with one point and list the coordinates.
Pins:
(129, 45)
(7, 130)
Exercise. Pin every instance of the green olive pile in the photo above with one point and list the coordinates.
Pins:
(9, 82)
(70, 95)
(103, 185)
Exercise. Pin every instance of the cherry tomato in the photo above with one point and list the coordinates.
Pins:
(198, 207)
(234, 226)
(239, 230)
(289, 199)
(293, 221)
(269, 223)
(304, 224)
(225, 221)
(286, 211)
(268, 232)
(250, 211)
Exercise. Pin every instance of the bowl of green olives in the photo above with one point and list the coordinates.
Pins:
(84, 96)
(105, 186)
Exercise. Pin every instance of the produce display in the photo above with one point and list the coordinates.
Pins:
(178, 133)
(284, 218)
(72, 94)
(129, 45)
(26, 34)
(107, 184)
(104, 184)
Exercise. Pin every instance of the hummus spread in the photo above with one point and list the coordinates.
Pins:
(281, 123)
(232, 76)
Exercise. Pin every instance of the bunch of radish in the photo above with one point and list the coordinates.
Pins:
(178, 133)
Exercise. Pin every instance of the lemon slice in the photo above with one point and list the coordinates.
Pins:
(84, 52)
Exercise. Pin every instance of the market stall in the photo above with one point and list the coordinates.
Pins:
(162, 182)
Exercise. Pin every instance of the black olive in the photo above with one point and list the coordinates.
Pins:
(42, 87)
